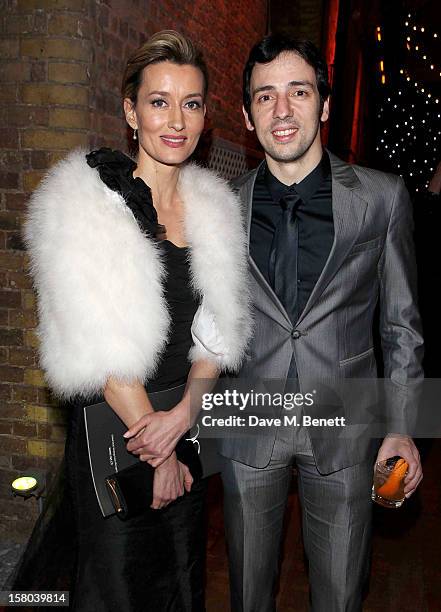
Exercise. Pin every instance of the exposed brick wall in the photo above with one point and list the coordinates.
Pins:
(60, 72)
(302, 18)
(44, 110)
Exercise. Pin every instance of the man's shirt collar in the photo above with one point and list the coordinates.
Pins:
(307, 187)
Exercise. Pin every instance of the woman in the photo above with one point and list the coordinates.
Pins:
(141, 276)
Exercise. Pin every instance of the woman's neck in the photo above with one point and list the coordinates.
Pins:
(161, 179)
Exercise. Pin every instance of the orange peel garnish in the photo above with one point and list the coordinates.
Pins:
(392, 485)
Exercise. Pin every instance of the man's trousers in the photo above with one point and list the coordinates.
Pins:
(336, 516)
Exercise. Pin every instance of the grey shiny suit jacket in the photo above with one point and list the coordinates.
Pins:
(371, 260)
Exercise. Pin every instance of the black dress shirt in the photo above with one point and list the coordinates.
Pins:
(315, 225)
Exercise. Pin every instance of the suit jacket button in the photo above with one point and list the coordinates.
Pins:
(296, 334)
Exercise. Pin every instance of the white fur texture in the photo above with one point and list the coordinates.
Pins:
(214, 230)
(99, 278)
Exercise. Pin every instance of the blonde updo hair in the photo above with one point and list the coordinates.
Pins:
(164, 46)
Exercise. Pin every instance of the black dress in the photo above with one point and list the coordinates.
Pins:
(151, 563)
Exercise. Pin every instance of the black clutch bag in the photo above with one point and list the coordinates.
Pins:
(131, 489)
(122, 483)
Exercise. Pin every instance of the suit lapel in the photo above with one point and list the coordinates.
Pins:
(278, 312)
(349, 211)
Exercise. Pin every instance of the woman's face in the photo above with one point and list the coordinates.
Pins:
(169, 112)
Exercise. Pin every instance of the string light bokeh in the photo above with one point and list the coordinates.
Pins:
(409, 108)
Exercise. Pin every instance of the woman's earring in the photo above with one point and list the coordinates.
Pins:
(135, 137)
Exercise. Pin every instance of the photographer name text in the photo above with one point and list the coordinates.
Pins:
(291, 420)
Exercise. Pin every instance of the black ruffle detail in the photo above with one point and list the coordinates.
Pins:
(116, 172)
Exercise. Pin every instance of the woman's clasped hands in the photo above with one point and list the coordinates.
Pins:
(172, 478)
(154, 436)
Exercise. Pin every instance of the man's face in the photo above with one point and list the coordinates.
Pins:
(285, 108)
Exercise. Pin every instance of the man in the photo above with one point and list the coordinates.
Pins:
(327, 241)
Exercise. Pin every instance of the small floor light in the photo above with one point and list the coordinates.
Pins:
(24, 485)
(31, 483)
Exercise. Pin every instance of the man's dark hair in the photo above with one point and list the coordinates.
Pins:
(271, 47)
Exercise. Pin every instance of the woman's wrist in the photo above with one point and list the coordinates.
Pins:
(182, 414)
(173, 458)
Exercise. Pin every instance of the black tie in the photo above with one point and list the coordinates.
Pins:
(283, 257)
